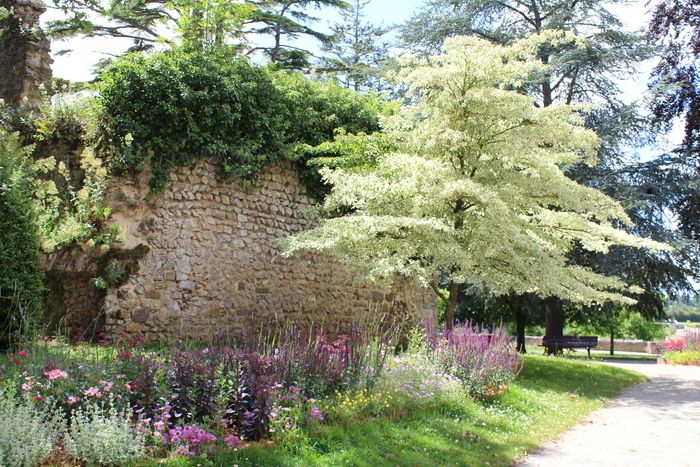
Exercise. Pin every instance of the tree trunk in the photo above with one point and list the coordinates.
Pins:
(451, 305)
(520, 325)
(554, 319)
(612, 342)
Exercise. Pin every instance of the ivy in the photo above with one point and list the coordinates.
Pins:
(171, 108)
(21, 273)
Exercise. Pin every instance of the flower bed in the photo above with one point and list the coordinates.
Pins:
(195, 401)
(681, 349)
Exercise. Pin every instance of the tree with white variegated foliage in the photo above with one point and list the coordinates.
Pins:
(475, 193)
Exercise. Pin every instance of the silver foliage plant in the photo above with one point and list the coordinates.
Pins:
(27, 433)
(101, 434)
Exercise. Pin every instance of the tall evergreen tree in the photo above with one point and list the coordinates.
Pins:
(200, 23)
(676, 82)
(282, 21)
(356, 52)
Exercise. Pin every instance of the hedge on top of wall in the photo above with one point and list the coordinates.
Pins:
(170, 108)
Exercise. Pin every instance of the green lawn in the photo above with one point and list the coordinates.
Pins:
(602, 355)
(551, 395)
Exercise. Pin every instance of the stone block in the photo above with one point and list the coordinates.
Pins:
(140, 315)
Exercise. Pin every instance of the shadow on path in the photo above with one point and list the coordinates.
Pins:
(649, 424)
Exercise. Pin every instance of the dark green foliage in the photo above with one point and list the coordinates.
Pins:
(174, 107)
(21, 274)
(178, 106)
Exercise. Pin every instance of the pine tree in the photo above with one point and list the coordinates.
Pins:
(356, 52)
(281, 21)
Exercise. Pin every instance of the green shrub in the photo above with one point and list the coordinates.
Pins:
(101, 434)
(27, 434)
(691, 357)
(170, 108)
(21, 273)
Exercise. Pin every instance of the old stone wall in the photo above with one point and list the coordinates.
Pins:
(212, 265)
(25, 63)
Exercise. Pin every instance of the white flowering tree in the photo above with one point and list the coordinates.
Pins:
(475, 193)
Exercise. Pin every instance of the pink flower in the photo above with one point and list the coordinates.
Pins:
(56, 374)
(315, 414)
(26, 387)
(21, 353)
(232, 441)
(131, 385)
(159, 426)
(72, 400)
(108, 387)
(38, 398)
(93, 392)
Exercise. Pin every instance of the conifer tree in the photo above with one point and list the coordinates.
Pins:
(356, 52)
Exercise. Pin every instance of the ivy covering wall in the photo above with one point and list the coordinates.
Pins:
(21, 273)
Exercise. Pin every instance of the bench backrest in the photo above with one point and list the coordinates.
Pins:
(563, 341)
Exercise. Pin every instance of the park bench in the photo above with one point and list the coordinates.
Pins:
(570, 342)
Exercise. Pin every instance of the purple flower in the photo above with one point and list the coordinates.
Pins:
(232, 441)
(315, 414)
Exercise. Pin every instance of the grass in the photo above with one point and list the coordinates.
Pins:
(604, 355)
(550, 396)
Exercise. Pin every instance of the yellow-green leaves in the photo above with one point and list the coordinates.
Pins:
(475, 191)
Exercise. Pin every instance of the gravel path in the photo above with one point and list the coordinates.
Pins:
(656, 423)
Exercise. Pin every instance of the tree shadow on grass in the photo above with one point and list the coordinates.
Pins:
(589, 380)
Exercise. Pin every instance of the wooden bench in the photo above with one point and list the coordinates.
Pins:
(570, 342)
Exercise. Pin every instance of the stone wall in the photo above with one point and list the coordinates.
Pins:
(25, 63)
(213, 266)
(533, 343)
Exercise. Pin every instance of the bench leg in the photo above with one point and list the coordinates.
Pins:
(589, 352)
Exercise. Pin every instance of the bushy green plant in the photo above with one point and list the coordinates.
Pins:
(27, 433)
(690, 357)
(21, 273)
(170, 108)
(101, 434)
